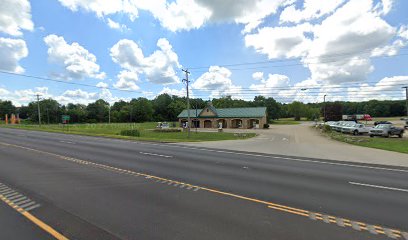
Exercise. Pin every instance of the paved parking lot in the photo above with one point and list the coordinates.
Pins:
(302, 140)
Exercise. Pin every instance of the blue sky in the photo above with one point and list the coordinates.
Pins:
(348, 49)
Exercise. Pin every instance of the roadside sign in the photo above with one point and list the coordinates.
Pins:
(65, 119)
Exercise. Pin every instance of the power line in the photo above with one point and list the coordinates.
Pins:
(292, 60)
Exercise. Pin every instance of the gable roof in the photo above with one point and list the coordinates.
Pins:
(255, 112)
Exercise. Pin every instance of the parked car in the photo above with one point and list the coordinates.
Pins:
(340, 124)
(386, 130)
(347, 125)
(356, 129)
(381, 122)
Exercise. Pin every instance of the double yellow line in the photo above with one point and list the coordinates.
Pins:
(301, 212)
(34, 219)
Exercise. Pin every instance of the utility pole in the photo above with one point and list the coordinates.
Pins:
(38, 108)
(109, 113)
(324, 108)
(406, 98)
(188, 100)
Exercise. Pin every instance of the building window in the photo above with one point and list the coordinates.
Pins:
(208, 110)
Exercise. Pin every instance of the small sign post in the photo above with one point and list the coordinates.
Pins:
(65, 120)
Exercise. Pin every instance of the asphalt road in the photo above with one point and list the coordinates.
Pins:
(96, 188)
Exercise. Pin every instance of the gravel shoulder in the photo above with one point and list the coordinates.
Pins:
(301, 140)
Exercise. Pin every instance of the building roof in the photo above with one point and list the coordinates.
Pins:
(254, 112)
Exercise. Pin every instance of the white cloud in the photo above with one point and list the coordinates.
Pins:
(175, 92)
(337, 49)
(127, 81)
(11, 52)
(218, 81)
(312, 9)
(270, 86)
(158, 68)
(102, 85)
(103, 8)
(77, 61)
(78, 93)
(115, 25)
(279, 42)
(15, 15)
(185, 14)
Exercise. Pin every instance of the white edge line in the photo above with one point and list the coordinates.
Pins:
(248, 154)
(378, 186)
(154, 154)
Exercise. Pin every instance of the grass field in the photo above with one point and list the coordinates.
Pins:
(146, 132)
(284, 122)
(390, 144)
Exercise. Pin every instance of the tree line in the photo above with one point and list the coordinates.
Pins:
(166, 108)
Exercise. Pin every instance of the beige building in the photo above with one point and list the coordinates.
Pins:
(210, 117)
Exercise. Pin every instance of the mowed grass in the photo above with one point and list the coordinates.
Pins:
(284, 122)
(391, 144)
(146, 132)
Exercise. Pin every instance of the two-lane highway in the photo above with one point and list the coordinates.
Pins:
(97, 188)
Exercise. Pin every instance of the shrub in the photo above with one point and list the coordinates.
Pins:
(326, 128)
(167, 130)
(266, 125)
(130, 132)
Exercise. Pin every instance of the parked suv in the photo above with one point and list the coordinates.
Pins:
(356, 129)
(386, 130)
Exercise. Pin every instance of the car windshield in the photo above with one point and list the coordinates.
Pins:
(382, 126)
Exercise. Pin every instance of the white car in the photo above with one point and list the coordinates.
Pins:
(356, 129)
(346, 126)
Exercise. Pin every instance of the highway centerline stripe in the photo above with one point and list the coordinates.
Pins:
(16, 205)
(362, 226)
(378, 186)
(155, 154)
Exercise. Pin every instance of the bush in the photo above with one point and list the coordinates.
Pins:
(167, 130)
(130, 132)
(326, 128)
(266, 125)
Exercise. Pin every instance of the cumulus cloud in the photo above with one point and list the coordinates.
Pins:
(159, 67)
(312, 9)
(102, 85)
(186, 14)
(175, 92)
(77, 61)
(15, 16)
(11, 52)
(117, 26)
(270, 86)
(127, 81)
(336, 50)
(103, 8)
(217, 81)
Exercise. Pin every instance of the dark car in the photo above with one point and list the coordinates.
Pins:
(386, 130)
(406, 124)
(381, 122)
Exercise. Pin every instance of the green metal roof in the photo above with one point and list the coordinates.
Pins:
(255, 112)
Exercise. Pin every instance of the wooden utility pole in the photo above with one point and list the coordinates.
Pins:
(38, 108)
(188, 100)
(406, 98)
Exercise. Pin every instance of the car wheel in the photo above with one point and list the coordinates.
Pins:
(400, 135)
(371, 135)
(388, 135)
(355, 132)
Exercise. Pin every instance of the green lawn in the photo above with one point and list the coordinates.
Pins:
(146, 132)
(286, 121)
(390, 144)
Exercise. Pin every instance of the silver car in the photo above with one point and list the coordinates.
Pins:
(356, 129)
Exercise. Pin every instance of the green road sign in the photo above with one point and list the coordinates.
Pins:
(66, 117)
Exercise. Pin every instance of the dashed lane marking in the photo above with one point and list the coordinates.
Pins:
(378, 186)
(24, 205)
(155, 154)
(392, 233)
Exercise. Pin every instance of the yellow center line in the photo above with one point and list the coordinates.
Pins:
(34, 220)
(272, 205)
